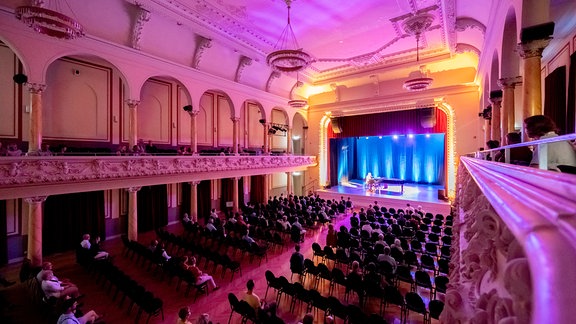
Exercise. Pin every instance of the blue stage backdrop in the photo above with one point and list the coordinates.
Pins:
(413, 158)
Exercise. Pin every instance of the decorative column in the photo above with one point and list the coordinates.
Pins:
(35, 89)
(534, 40)
(193, 132)
(194, 201)
(133, 135)
(35, 229)
(235, 192)
(496, 101)
(133, 213)
(266, 138)
(289, 141)
(235, 134)
(288, 183)
(487, 131)
(508, 115)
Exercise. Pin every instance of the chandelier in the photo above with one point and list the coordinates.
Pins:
(287, 56)
(49, 22)
(297, 103)
(416, 25)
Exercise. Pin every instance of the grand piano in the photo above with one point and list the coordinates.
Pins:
(379, 184)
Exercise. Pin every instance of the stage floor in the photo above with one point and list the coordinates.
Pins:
(414, 194)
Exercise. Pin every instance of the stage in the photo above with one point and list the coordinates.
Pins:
(413, 194)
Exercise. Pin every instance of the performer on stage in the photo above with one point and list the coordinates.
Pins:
(369, 181)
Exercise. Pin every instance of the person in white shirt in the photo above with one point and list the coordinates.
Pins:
(52, 287)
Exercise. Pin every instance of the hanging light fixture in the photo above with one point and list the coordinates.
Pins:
(50, 21)
(416, 25)
(287, 55)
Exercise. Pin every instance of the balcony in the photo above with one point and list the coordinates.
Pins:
(514, 243)
(29, 176)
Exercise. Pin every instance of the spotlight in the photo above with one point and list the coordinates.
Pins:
(410, 136)
(395, 137)
(427, 135)
(187, 108)
(379, 137)
(366, 137)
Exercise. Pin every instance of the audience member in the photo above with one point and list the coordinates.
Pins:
(13, 150)
(269, 316)
(153, 245)
(491, 144)
(331, 236)
(559, 153)
(183, 315)
(93, 247)
(251, 298)
(297, 260)
(69, 314)
(201, 277)
(307, 319)
(160, 252)
(518, 155)
(52, 287)
(204, 319)
(186, 219)
(210, 225)
(385, 257)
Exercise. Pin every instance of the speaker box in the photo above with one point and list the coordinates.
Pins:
(441, 194)
(428, 117)
(336, 127)
(541, 31)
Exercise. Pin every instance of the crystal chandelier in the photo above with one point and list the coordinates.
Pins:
(49, 22)
(287, 56)
(416, 25)
(297, 103)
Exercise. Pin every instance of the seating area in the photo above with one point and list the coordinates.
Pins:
(138, 280)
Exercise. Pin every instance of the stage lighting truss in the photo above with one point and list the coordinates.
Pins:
(278, 129)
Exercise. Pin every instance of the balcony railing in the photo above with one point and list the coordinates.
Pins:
(514, 243)
(27, 176)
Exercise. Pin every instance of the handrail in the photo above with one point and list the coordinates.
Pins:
(539, 208)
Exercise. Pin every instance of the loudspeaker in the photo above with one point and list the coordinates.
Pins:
(536, 32)
(428, 117)
(187, 108)
(336, 127)
(262, 121)
(441, 194)
(20, 78)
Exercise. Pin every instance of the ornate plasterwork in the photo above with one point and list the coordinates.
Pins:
(490, 280)
(50, 170)
(244, 62)
(202, 44)
(143, 16)
(467, 48)
(533, 48)
(36, 88)
(464, 23)
(132, 103)
(273, 76)
(510, 82)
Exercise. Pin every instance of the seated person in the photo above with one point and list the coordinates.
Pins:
(297, 260)
(153, 245)
(47, 266)
(252, 299)
(52, 287)
(160, 252)
(246, 237)
(186, 219)
(93, 247)
(210, 225)
(518, 155)
(559, 153)
(183, 315)
(297, 225)
(284, 222)
(385, 257)
(189, 263)
(68, 316)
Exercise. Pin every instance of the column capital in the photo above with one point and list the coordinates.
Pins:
(35, 200)
(36, 88)
(193, 113)
(533, 48)
(133, 189)
(509, 82)
(132, 103)
(235, 119)
(194, 183)
(496, 102)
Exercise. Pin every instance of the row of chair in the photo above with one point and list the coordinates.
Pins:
(137, 293)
